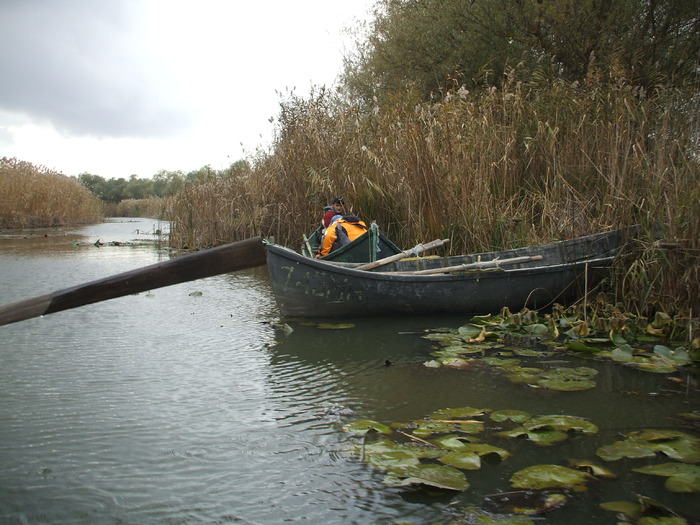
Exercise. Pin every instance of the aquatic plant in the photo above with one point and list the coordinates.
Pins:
(438, 451)
(601, 331)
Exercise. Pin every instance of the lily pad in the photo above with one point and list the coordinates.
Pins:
(461, 350)
(664, 520)
(392, 459)
(653, 511)
(528, 352)
(682, 477)
(454, 442)
(363, 426)
(622, 354)
(469, 331)
(562, 422)
(522, 374)
(517, 416)
(569, 379)
(550, 476)
(632, 449)
(502, 362)
(536, 329)
(387, 447)
(440, 476)
(469, 456)
(483, 449)
(550, 429)
(580, 346)
(542, 436)
(456, 362)
(592, 468)
(673, 443)
(630, 509)
(427, 428)
(461, 412)
(524, 502)
(447, 339)
(647, 443)
(562, 379)
(461, 460)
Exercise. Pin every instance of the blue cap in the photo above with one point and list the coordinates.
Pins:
(335, 218)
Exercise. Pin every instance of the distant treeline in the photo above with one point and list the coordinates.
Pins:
(162, 184)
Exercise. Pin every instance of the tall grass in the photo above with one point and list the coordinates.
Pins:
(35, 196)
(538, 160)
(151, 207)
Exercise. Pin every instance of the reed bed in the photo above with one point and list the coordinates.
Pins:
(35, 196)
(537, 160)
(151, 207)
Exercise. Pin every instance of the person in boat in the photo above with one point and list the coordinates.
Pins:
(337, 207)
(343, 230)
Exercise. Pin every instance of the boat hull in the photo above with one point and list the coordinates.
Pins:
(305, 287)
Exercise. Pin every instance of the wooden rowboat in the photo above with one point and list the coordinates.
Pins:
(368, 247)
(534, 277)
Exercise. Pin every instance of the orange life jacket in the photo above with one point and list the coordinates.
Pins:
(341, 232)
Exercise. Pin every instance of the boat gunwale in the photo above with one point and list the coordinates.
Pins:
(350, 269)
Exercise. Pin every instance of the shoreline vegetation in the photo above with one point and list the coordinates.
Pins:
(38, 197)
(485, 123)
(493, 168)
(536, 160)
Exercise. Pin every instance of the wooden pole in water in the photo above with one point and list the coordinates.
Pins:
(223, 259)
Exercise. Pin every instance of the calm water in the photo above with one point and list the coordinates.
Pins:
(186, 405)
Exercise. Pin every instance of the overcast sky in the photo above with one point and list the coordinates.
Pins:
(122, 87)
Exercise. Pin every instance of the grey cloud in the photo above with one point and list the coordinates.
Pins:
(77, 65)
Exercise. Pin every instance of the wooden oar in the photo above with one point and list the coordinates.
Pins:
(223, 259)
(496, 263)
(418, 249)
(308, 245)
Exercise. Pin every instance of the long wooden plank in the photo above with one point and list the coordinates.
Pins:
(222, 259)
(416, 250)
(486, 265)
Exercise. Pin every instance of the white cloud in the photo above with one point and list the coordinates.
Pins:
(131, 87)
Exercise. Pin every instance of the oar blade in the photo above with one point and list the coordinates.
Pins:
(207, 263)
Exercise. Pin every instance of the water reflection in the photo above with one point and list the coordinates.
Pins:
(189, 404)
(355, 360)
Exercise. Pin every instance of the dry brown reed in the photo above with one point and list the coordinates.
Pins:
(538, 160)
(152, 208)
(35, 196)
